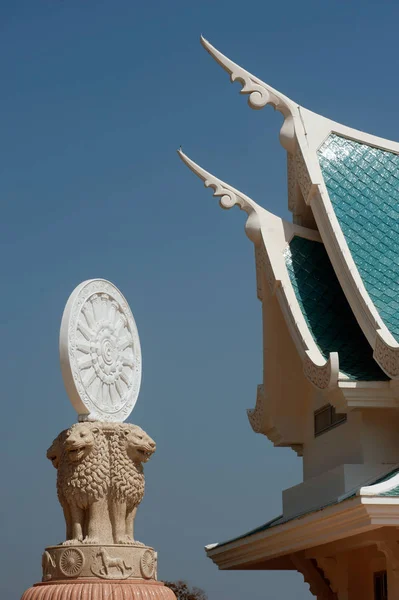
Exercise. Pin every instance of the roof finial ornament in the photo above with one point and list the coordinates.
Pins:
(229, 197)
(260, 94)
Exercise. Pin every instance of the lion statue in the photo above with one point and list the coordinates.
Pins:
(130, 447)
(54, 455)
(81, 456)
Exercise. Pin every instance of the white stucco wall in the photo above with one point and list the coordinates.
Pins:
(340, 445)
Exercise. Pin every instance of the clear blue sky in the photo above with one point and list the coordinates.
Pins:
(96, 97)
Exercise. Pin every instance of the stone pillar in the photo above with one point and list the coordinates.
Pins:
(99, 460)
(100, 483)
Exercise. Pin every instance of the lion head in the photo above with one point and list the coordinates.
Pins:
(138, 444)
(80, 441)
(55, 450)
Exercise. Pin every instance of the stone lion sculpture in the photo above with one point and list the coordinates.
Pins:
(81, 456)
(54, 454)
(130, 448)
(100, 480)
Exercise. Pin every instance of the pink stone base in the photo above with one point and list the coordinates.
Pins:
(99, 589)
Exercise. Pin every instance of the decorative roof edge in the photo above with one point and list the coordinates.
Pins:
(302, 133)
(260, 94)
(271, 234)
(261, 421)
(281, 537)
(383, 487)
(368, 501)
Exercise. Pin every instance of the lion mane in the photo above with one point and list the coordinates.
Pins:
(87, 480)
(100, 479)
(127, 480)
(130, 446)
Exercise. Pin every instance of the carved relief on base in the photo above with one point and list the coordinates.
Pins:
(112, 562)
(386, 356)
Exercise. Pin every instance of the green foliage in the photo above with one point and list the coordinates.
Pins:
(183, 592)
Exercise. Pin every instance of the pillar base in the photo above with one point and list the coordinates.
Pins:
(106, 561)
(99, 589)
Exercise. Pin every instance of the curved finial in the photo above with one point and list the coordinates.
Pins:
(260, 93)
(229, 196)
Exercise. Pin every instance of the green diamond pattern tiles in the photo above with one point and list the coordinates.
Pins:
(363, 185)
(394, 492)
(326, 310)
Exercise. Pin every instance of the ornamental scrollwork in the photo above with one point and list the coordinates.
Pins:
(322, 376)
(101, 353)
(229, 196)
(386, 357)
(259, 93)
(256, 415)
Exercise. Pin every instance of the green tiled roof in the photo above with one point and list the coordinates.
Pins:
(393, 492)
(326, 310)
(363, 185)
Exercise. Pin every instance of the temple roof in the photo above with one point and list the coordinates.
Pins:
(384, 491)
(363, 185)
(326, 310)
(294, 260)
(345, 183)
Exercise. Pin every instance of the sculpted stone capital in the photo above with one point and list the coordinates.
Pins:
(100, 480)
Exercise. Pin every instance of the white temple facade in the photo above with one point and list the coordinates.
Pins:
(329, 286)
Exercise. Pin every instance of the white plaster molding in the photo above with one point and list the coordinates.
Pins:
(386, 352)
(380, 488)
(341, 521)
(366, 394)
(352, 543)
(322, 376)
(256, 416)
(261, 421)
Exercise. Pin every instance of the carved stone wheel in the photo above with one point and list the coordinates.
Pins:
(147, 564)
(71, 562)
(100, 352)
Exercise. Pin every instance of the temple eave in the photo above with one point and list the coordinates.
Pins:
(363, 522)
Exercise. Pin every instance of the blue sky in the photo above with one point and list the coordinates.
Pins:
(96, 98)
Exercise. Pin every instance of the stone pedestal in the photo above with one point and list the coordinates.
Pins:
(108, 562)
(99, 572)
(99, 589)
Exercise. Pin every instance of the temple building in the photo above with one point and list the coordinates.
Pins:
(329, 286)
